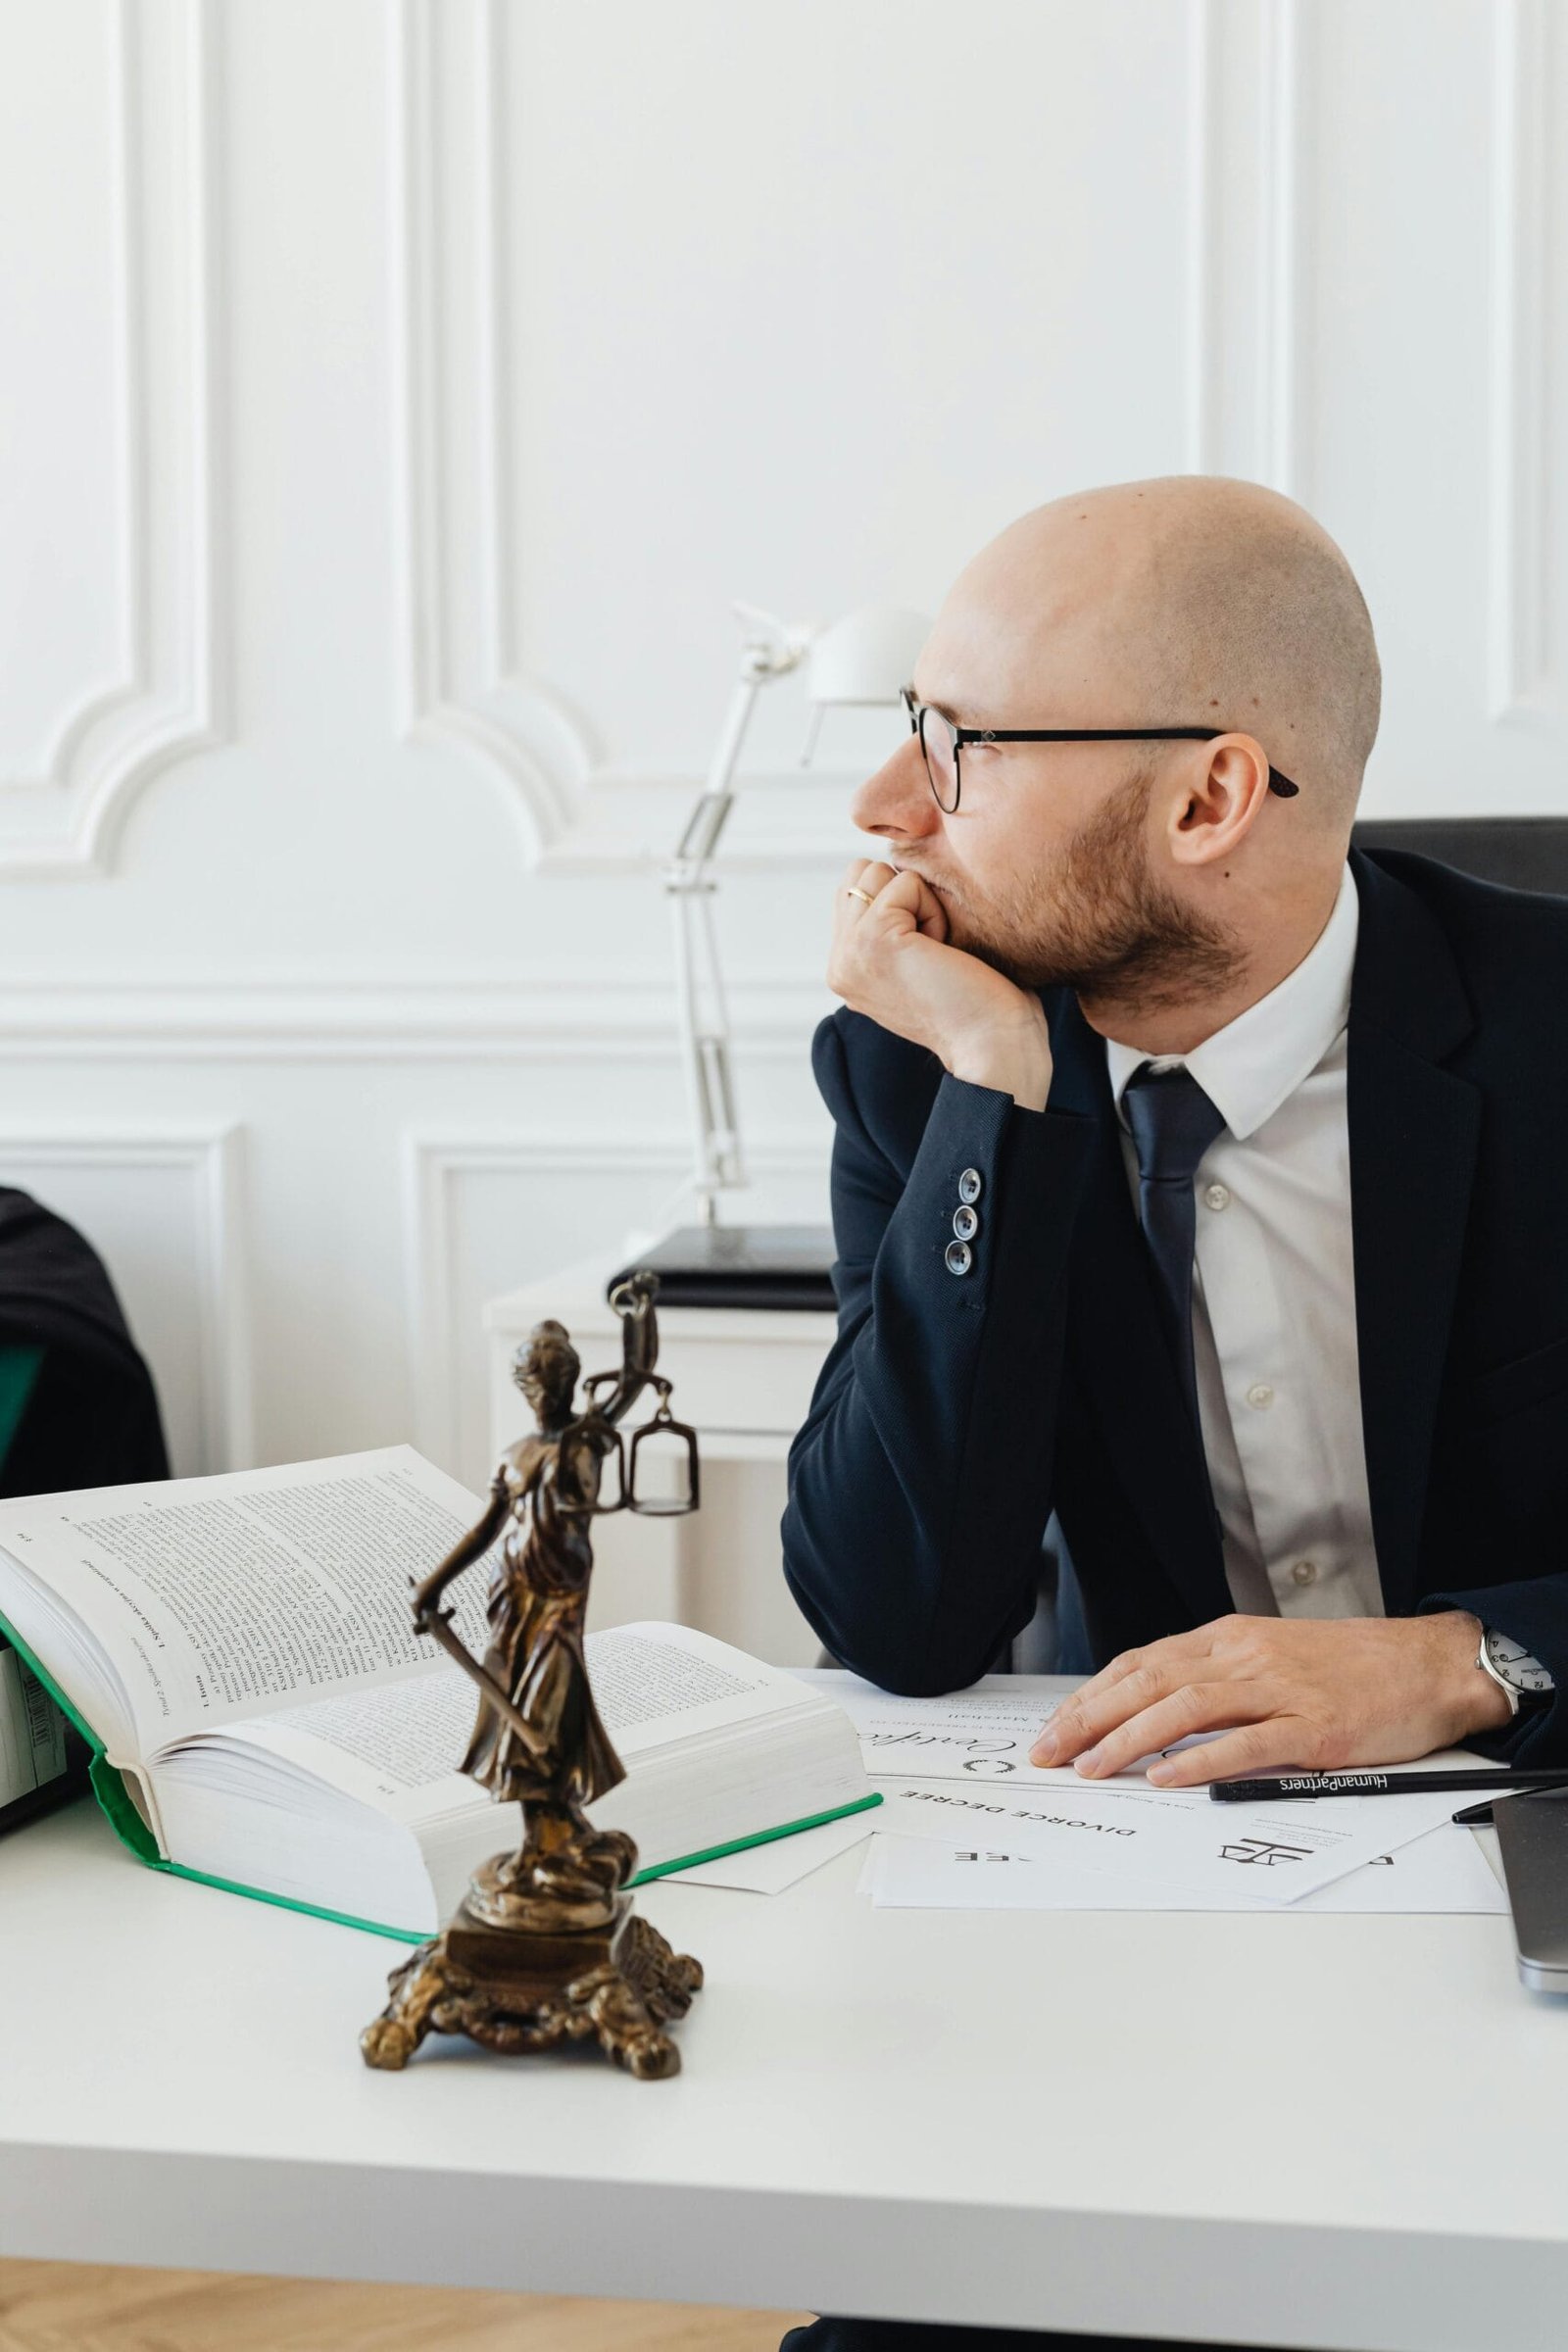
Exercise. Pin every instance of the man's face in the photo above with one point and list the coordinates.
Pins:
(1051, 868)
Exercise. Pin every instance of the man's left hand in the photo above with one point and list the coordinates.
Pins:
(1302, 1693)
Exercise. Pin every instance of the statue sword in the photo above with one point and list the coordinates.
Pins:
(438, 1625)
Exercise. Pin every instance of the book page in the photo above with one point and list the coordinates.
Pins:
(657, 1683)
(399, 1747)
(394, 1746)
(220, 1598)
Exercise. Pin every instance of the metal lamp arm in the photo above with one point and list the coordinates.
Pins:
(772, 650)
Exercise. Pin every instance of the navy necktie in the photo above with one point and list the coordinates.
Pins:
(1173, 1123)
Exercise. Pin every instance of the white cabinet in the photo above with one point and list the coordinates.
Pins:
(744, 1380)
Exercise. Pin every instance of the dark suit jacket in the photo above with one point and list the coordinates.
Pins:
(956, 1413)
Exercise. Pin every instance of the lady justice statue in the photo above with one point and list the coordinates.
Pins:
(545, 1946)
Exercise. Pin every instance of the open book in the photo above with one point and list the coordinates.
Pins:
(239, 1654)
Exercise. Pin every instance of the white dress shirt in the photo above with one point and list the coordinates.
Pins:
(1274, 1291)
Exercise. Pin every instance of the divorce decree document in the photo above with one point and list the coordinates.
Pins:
(957, 1770)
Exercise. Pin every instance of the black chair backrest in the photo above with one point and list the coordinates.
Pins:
(1527, 853)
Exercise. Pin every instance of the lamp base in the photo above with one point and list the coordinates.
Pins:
(742, 1266)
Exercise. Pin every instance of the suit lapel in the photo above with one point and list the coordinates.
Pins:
(1413, 1131)
(1118, 1345)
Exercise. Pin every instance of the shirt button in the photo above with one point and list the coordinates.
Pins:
(970, 1187)
(958, 1257)
(1217, 1195)
(1304, 1573)
(965, 1223)
(1260, 1396)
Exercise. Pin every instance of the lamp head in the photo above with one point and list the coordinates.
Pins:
(865, 656)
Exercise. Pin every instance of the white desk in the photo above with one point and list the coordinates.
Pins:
(1342, 2132)
(743, 1380)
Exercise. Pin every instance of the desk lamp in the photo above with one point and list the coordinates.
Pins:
(863, 657)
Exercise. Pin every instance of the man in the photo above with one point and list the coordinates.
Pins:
(1195, 1183)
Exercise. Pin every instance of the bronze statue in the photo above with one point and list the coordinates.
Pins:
(545, 1946)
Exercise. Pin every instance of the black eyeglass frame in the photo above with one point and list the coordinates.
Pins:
(1278, 782)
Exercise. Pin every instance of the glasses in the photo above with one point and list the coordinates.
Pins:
(941, 743)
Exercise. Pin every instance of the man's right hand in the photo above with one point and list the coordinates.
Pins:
(891, 961)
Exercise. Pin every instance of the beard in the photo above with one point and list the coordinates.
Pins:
(1095, 920)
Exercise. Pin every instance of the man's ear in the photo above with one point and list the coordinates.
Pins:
(1223, 792)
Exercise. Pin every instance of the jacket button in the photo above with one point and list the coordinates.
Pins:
(965, 1223)
(960, 1257)
(970, 1187)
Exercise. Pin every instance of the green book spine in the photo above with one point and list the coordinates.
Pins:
(740, 1845)
(377, 1927)
(117, 1802)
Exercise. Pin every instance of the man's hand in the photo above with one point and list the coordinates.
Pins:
(891, 961)
(1304, 1693)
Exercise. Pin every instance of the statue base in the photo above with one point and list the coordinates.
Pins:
(517, 1989)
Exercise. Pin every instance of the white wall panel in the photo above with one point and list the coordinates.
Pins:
(1529, 347)
(767, 252)
(109, 594)
(162, 1207)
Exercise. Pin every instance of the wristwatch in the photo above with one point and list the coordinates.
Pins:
(1511, 1667)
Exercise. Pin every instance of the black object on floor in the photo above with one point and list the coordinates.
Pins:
(911, 2335)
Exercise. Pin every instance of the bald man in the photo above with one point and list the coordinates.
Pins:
(1196, 1188)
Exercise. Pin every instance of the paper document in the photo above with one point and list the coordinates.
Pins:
(973, 1735)
(1274, 1853)
(1443, 1870)
(769, 1869)
(956, 1770)
(982, 1734)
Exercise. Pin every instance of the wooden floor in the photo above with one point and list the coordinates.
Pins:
(68, 2307)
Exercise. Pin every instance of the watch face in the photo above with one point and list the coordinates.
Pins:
(1515, 1664)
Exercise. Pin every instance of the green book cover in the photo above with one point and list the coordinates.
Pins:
(117, 1801)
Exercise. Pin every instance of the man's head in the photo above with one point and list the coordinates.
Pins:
(1141, 874)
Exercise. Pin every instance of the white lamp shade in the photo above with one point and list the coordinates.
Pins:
(865, 656)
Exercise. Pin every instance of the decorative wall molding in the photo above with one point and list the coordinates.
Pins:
(1202, 422)
(1282, 248)
(628, 1016)
(1247, 242)
(434, 1164)
(464, 680)
(1521, 684)
(461, 679)
(165, 702)
(208, 1218)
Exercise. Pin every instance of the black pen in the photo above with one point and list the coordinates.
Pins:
(1499, 1781)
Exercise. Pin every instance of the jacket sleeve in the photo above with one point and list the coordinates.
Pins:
(1534, 1612)
(920, 1483)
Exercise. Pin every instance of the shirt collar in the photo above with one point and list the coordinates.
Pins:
(1256, 1061)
